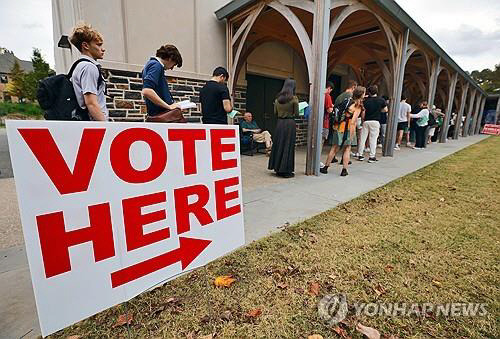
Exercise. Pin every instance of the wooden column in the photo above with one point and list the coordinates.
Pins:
(318, 84)
(433, 82)
(451, 97)
(472, 126)
(467, 118)
(397, 90)
(480, 116)
(460, 113)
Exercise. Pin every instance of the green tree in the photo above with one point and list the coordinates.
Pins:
(16, 85)
(41, 70)
(488, 79)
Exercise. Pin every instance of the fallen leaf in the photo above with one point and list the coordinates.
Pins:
(341, 332)
(224, 281)
(315, 336)
(442, 199)
(379, 289)
(226, 315)
(369, 332)
(122, 320)
(171, 301)
(314, 289)
(437, 283)
(301, 233)
(282, 285)
(254, 313)
(389, 268)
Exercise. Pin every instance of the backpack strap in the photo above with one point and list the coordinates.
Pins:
(100, 80)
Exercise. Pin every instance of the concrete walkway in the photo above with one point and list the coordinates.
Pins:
(269, 202)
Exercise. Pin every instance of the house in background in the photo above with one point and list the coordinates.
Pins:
(7, 61)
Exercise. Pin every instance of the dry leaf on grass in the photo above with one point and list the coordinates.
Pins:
(389, 268)
(437, 283)
(122, 320)
(341, 332)
(301, 233)
(315, 336)
(379, 289)
(369, 332)
(442, 199)
(254, 313)
(314, 289)
(224, 281)
(282, 285)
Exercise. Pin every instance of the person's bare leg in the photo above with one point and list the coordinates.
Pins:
(333, 151)
(346, 157)
(400, 137)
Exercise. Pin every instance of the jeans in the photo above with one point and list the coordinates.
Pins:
(420, 136)
(383, 130)
(372, 128)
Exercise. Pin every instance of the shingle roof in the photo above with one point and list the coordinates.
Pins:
(8, 59)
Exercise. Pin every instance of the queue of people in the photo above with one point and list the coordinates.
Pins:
(358, 117)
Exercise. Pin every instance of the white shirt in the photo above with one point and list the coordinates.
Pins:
(404, 109)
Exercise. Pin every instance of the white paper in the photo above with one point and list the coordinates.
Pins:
(186, 104)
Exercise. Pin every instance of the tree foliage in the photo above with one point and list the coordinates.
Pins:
(488, 79)
(16, 87)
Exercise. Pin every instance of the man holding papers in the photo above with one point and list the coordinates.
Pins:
(215, 99)
(159, 102)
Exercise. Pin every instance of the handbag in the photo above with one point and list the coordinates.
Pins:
(173, 116)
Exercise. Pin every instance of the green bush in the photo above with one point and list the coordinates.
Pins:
(29, 109)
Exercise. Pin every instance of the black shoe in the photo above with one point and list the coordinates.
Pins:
(370, 160)
(342, 161)
(324, 169)
(344, 173)
(361, 158)
(288, 175)
(335, 160)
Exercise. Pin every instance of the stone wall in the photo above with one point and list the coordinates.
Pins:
(125, 101)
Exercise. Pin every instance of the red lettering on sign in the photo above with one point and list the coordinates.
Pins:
(47, 153)
(55, 241)
(216, 136)
(188, 138)
(134, 220)
(221, 198)
(184, 208)
(120, 160)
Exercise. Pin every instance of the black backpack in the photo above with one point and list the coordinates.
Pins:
(338, 114)
(57, 97)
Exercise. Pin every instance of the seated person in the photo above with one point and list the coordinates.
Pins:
(249, 125)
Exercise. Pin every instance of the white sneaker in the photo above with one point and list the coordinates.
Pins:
(321, 165)
(397, 148)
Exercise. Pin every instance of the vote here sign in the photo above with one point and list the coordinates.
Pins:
(111, 209)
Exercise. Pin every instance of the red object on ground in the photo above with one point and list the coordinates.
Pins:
(491, 129)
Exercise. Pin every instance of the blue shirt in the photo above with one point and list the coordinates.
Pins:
(153, 77)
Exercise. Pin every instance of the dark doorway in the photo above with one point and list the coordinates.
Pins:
(261, 92)
(337, 82)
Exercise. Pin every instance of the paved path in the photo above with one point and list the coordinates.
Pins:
(5, 166)
(269, 202)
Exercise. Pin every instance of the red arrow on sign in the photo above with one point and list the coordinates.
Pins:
(188, 250)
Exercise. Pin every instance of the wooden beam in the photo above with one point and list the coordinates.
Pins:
(465, 131)
(446, 122)
(472, 127)
(460, 113)
(317, 98)
(480, 118)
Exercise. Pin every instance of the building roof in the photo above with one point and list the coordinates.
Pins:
(390, 7)
(8, 59)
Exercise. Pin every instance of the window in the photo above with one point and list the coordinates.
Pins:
(4, 79)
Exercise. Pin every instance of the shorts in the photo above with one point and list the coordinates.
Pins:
(325, 133)
(403, 126)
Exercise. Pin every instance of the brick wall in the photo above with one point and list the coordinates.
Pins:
(125, 102)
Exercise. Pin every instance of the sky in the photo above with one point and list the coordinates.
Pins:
(468, 30)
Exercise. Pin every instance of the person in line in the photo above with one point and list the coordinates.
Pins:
(250, 125)
(345, 135)
(421, 125)
(383, 123)
(374, 106)
(159, 102)
(88, 82)
(403, 122)
(286, 108)
(327, 113)
(215, 99)
(340, 101)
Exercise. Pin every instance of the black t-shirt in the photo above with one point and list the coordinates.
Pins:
(373, 107)
(212, 109)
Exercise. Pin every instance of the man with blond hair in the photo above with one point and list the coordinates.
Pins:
(88, 82)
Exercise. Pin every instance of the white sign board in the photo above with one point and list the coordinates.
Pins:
(111, 209)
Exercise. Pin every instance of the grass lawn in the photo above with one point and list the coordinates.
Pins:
(432, 236)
